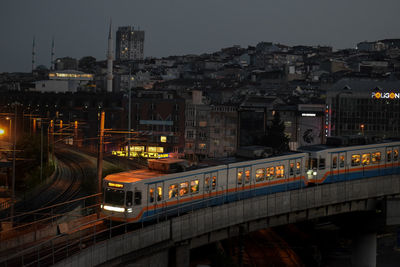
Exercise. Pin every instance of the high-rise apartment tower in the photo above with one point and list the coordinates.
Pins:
(129, 44)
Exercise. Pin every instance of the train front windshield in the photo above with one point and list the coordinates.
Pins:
(114, 197)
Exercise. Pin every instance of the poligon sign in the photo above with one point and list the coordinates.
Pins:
(385, 95)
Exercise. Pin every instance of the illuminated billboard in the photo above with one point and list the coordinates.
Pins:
(385, 95)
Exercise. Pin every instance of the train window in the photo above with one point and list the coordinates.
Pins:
(313, 163)
(389, 156)
(341, 163)
(239, 177)
(129, 198)
(366, 159)
(184, 189)
(395, 154)
(355, 160)
(207, 183)
(376, 157)
(279, 171)
(270, 173)
(298, 168)
(334, 162)
(194, 186)
(114, 196)
(159, 193)
(151, 195)
(214, 182)
(247, 178)
(260, 173)
(291, 169)
(321, 165)
(138, 198)
(173, 191)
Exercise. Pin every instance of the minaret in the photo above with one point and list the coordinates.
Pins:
(52, 55)
(110, 61)
(33, 54)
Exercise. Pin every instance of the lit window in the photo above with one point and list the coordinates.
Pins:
(334, 162)
(151, 195)
(366, 159)
(239, 177)
(194, 186)
(184, 188)
(260, 175)
(270, 173)
(395, 154)
(207, 183)
(341, 161)
(355, 160)
(159, 193)
(389, 156)
(298, 168)
(247, 178)
(163, 139)
(173, 191)
(376, 157)
(214, 182)
(279, 171)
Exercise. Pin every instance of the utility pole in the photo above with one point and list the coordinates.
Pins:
(13, 171)
(129, 114)
(41, 150)
(100, 160)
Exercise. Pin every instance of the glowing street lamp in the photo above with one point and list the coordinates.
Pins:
(2, 131)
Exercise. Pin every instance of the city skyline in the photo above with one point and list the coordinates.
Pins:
(178, 27)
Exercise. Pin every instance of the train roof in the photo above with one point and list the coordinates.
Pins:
(317, 148)
(133, 176)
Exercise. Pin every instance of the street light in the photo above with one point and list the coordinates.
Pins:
(2, 131)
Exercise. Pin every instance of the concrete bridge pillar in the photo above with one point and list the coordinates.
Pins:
(364, 250)
(182, 255)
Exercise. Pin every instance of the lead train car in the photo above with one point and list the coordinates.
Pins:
(145, 195)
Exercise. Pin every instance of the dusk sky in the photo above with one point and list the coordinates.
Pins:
(178, 27)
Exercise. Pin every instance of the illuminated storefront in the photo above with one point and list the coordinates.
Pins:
(152, 152)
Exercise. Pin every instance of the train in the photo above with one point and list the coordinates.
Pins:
(169, 186)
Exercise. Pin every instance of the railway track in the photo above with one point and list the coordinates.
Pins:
(72, 169)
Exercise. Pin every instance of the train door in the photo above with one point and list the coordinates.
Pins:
(342, 167)
(207, 185)
(151, 199)
(291, 175)
(239, 182)
(297, 171)
(335, 166)
(247, 182)
(159, 204)
(389, 160)
(396, 159)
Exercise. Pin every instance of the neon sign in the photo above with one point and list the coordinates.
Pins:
(385, 95)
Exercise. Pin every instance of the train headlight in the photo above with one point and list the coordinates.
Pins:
(314, 173)
(129, 210)
(101, 206)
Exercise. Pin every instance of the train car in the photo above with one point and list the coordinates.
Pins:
(145, 195)
(328, 164)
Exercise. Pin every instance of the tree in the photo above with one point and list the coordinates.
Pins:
(275, 137)
(87, 64)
